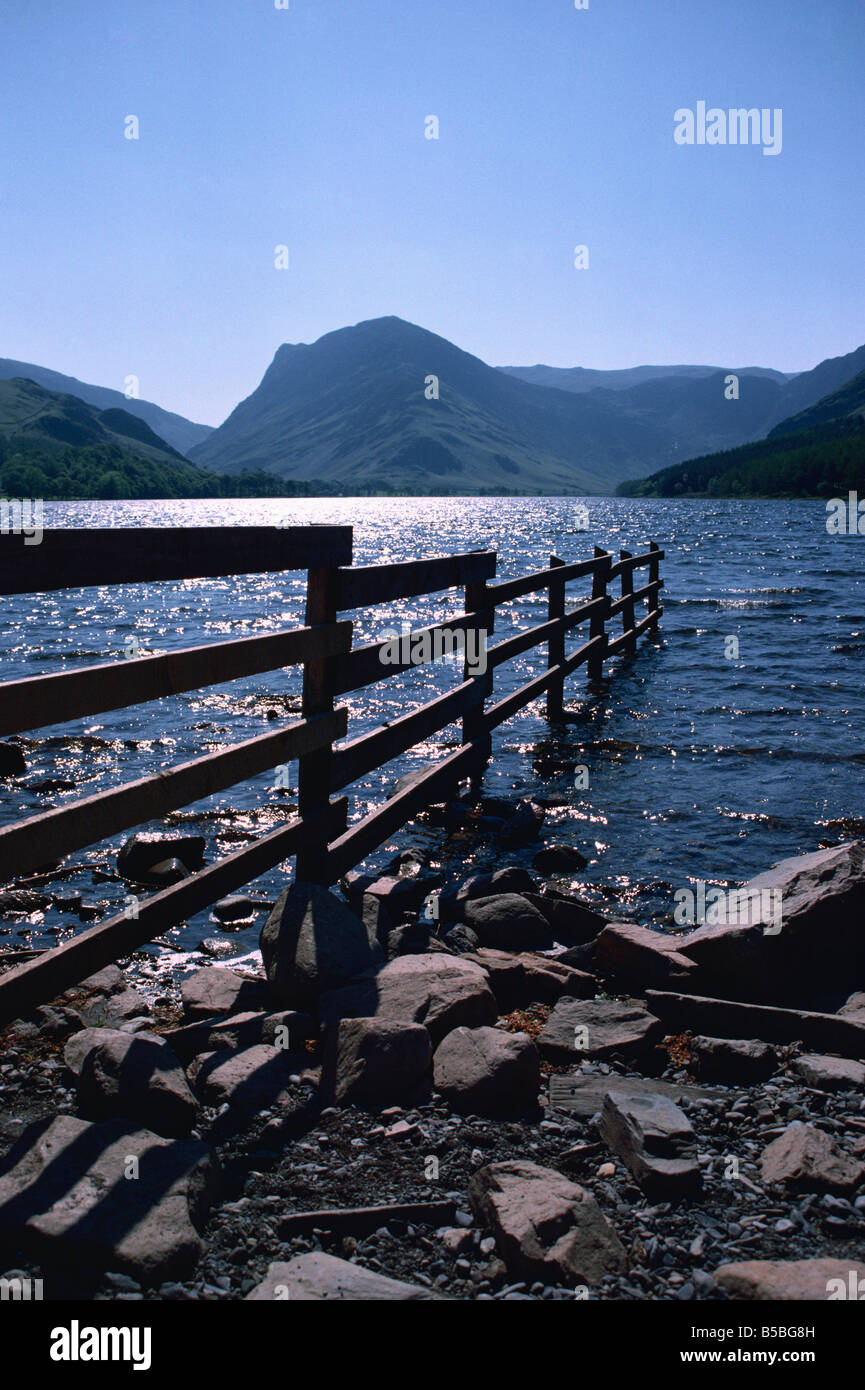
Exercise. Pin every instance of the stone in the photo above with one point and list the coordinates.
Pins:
(237, 908)
(56, 1020)
(67, 1197)
(511, 879)
(486, 1071)
(440, 991)
(403, 892)
(546, 1227)
(22, 900)
(579, 1028)
(248, 1079)
(12, 760)
(820, 946)
(809, 1281)
(559, 859)
(215, 989)
(372, 1062)
(139, 1078)
(830, 1073)
(639, 956)
(79, 1044)
(461, 939)
(240, 1030)
(524, 825)
(854, 1007)
(312, 942)
(110, 1010)
(572, 923)
(738, 1061)
(582, 1093)
(412, 939)
(140, 854)
(806, 1159)
(654, 1139)
(726, 1018)
(508, 922)
(525, 978)
(319, 1277)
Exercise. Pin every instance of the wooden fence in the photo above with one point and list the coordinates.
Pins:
(319, 836)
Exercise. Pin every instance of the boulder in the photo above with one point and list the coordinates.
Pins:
(806, 1159)
(140, 854)
(312, 942)
(654, 1139)
(806, 1281)
(508, 922)
(546, 1227)
(237, 908)
(139, 1078)
(112, 1010)
(559, 859)
(524, 825)
(736, 1061)
(854, 1007)
(639, 956)
(830, 1073)
(316, 1276)
(583, 1092)
(442, 992)
(819, 948)
(526, 978)
(248, 1079)
(511, 879)
(461, 939)
(79, 1044)
(579, 1028)
(70, 1196)
(726, 1018)
(286, 1028)
(371, 1062)
(486, 1071)
(214, 989)
(572, 923)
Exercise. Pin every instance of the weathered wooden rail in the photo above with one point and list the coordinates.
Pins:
(324, 845)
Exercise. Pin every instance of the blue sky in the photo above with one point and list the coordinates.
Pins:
(305, 127)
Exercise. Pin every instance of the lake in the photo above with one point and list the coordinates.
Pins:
(703, 763)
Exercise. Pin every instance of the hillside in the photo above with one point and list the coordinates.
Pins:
(581, 379)
(31, 414)
(819, 452)
(180, 433)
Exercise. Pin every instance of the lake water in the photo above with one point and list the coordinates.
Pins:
(702, 764)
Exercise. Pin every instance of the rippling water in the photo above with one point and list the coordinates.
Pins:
(701, 765)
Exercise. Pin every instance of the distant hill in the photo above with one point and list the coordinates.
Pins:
(581, 379)
(180, 433)
(819, 452)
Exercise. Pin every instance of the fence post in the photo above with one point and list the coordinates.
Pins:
(314, 769)
(474, 720)
(600, 579)
(654, 599)
(556, 645)
(628, 606)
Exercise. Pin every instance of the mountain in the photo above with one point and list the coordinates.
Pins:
(353, 408)
(809, 388)
(30, 414)
(582, 379)
(820, 452)
(838, 405)
(181, 434)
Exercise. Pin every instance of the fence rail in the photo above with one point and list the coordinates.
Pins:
(324, 845)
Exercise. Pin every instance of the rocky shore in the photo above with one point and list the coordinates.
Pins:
(467, 1089)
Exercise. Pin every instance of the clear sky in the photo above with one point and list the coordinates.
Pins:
(305, 127)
